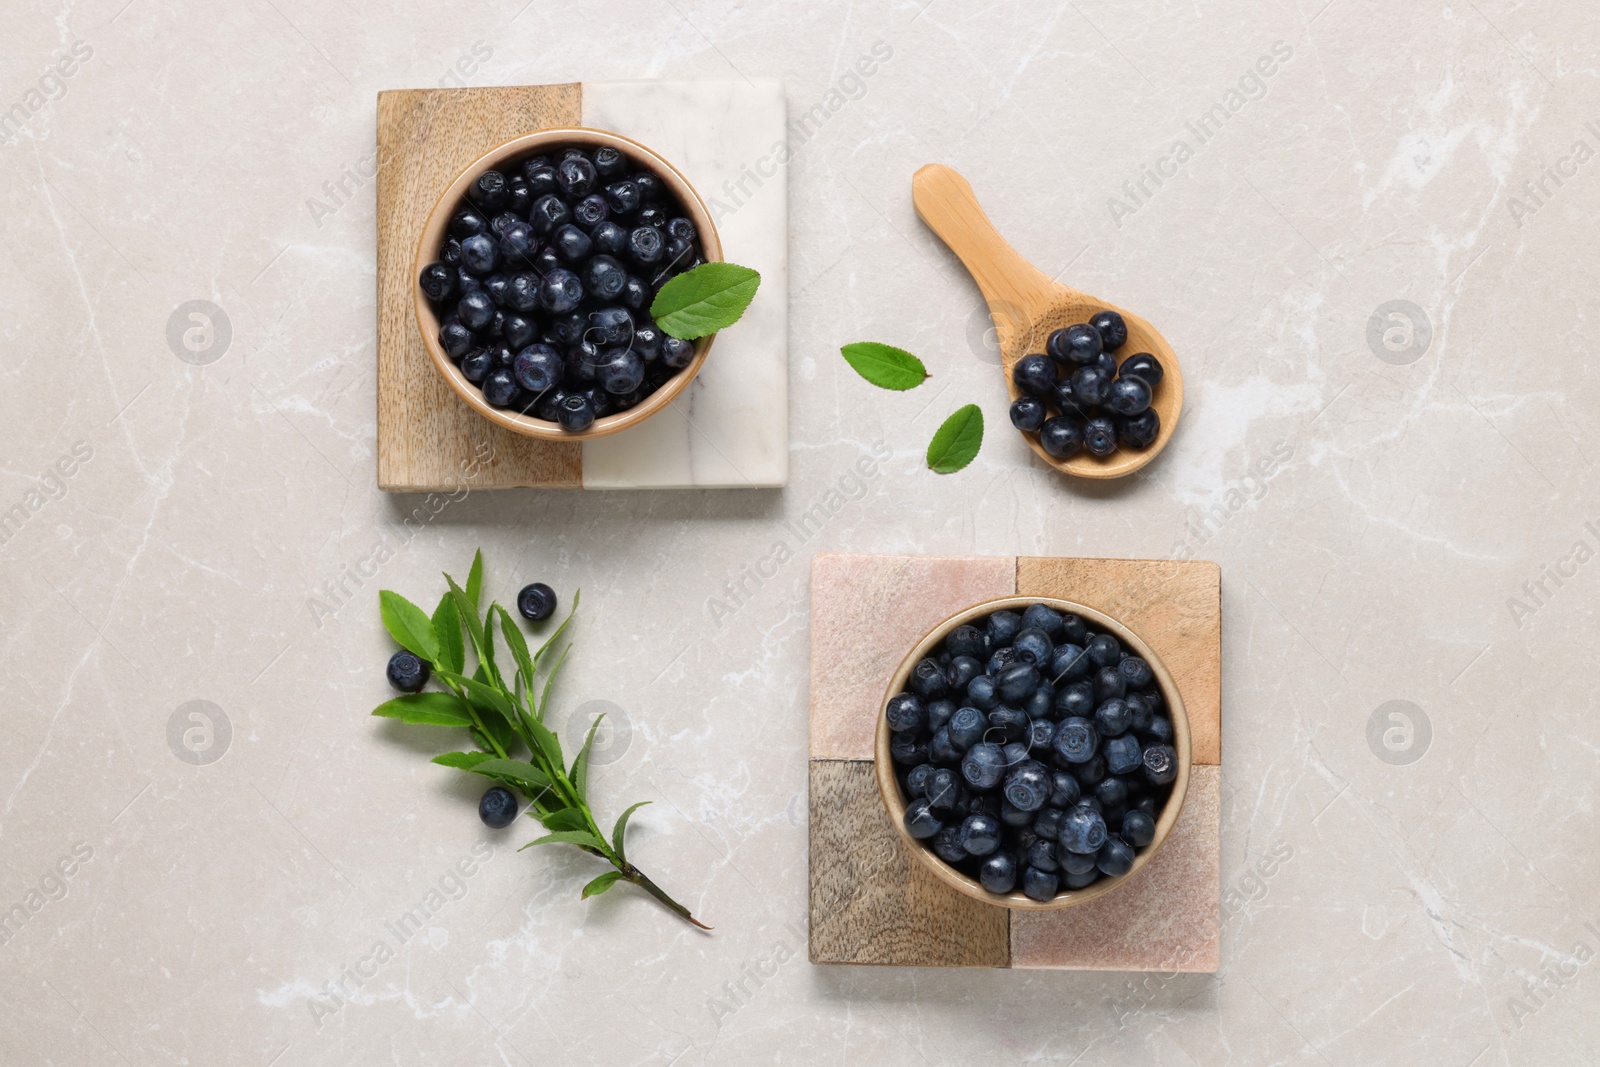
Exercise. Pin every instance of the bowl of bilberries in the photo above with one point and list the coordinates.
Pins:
(1033, 753)
(570, 283)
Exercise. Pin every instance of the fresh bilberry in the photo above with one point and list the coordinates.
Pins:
(1115, 858)
(407, 672)
(1068, 663)
(998, 874)
(1076, 740)
(576, 176)
(1027, 786)
(476, 365)
(620, 371)
(497, 808)
(1008, 724)
(517, 245)
(1113, 330)
(984, 765)
(561, 292)
(960, 671)
(609, 162)
(438, 280)
(575, 413)
(946, 845)
(1039, 884)
(500, 388)
(967, 727)
(980, 834)
(676, 352)
(548, 214)
(1108, 684)
(1140, 431)
(1034, 375)
(920, 821)
(1100, 437)
(906, 712)
(940, 747)
(1091, 385)
(455, 339)
(1135, 671)
(1077, 344)
(927, 678)
(1128, 396)
(1104, 651)
(1033, 646)
(538, 367)
(1112, 792)
(981, 693)
(1160, 764)
(1123, 754)
(1065, 790)
(1016, 682)
(943, 790)
(467, 223)
(1083, 830)
(1142, 365)
(1028, 413)
(1159, 730)
(622, 197)
(1002, 627)
(572, 244)
(1113, 717)
(1076, 700)
(480, 253)
(1090, 772)
(1138, 828)
(940, 713)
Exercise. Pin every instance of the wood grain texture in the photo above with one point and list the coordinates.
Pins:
(1175, 605)
(428, 439)
(870, 902)
(1027, 306)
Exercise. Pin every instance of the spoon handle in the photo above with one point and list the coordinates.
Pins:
(1009, 283)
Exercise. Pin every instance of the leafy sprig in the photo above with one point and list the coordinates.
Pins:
(507, 718)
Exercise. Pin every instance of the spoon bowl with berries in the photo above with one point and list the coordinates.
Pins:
(1095, 389)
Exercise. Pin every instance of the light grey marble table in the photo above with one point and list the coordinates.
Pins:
(1368, 229)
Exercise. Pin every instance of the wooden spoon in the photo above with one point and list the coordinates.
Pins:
(1026, 306)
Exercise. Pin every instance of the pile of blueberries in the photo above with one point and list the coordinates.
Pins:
(1033, 752)
(1099, 404)
(544, 284)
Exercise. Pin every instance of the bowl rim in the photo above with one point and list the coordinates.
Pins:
(432, 233)
(895, 803)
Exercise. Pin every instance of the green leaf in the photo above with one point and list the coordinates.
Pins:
(550, 681)
(463, 760)
(517, 644)
(480, 646)
(426, 709)
(570, 837)
(447, 631)
(565, 819)
(885, 366)
(408, 625)
(538, 657)
(957, 441)
(621, 827)
(601, 884)
(475, 580)
(523, 774)
(709, 298)
(549, 745)
(580, 762)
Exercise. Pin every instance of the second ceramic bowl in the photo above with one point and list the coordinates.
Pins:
(895, 801)
(432, 239)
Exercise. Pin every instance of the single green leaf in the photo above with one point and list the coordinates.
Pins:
(463, 760)
(538, 657)
(447, 631)
(426, 709)
(618, 830)
(550, 681)
(475, 580)
(956, 442)
(580, 762)
(408, 625)
(549, 745)
(601, 884)
(709, 298)
(565, 819)
(523, 774)
(516, 643)
(885, 366)
(570, 837)
(480, 645)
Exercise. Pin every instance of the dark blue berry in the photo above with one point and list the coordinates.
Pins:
(1041, 732)
(681, 229)
(940, 712)
(1039, 884)
(604, 277)
(966, 641)
(622, 197)
(927, 678)
(575, 413)
(536, 602)
(998, 874)
(1008, 724)
(650, 187)
(920, 821)
(1043, 617)
(1076, 740)
(1160, 764)
(1077, 863)
(488, 193)
(1042, 853)
(1065, 790)
(907, 750)
(591, 211)
(1128, 396)
(1140, 710)
(610, 238)
(475, 309)
(1091, 385)
(1135, 671)
(906, 712)
(1123, 754)
(1142, 365)
(455, 339)
(407, 672)
(947, 845)
(1028, 413)
(960, 671)
(1159, 730)
(609, 162)
(1104, 651)
(1075, 700)
(1003, 659)
(1016, 682)
(1138, 828)
(620, 371)
(1033, 646)
(480, 253)
(1083, 831)
(981, 693)
(984, 765)
(1113, 717)
(1034, 375)
(1078, 344)
(940, 748)
(1069, 663)
(1002, 627)
(1115, 858)
(967, 727)
(498, 807)
(1091, 772)
(548, 214)
(1061, 437)
(561, 291)
(467, 223)
(1140, 431)
(522, 291)
(917, 780)
(572, 244)
(1041, 702)
(1109, 684)
(438, 281)
(1100, 437)
(676, 352)
(1113, 331)
(646, 245)
(980, 834)
(1112, 793)
(476, 365)
(500, 388)
(943, 790)
(576, 176)
(517, 245)
(1027, 786)
(538, 367)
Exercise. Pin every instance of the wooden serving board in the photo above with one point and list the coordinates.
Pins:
(870, 901)
(729, 428)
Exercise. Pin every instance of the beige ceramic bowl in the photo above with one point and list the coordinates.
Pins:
(432, 239)
(895, 801)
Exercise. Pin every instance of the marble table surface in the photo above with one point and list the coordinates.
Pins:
(1369, 231)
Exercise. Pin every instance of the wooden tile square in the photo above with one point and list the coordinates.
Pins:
(870, 901)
